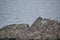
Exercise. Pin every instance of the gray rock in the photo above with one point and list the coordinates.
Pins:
(42, 29)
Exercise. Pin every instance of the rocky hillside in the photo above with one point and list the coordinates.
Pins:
(42, 29)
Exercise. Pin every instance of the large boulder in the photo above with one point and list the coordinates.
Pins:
(45, 29)
(14, 30)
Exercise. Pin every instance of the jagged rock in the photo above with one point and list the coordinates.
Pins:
(14, 30)
(42, 29)
(47, 29)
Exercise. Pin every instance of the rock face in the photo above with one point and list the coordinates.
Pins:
(14, 31)
(46, 29)
(42, 29)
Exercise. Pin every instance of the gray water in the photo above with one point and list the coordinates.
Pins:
(26, 11)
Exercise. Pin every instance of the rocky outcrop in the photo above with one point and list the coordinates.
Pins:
(46, 29)
(14, 31)
(42, 29)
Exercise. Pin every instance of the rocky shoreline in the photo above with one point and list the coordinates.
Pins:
(41, 29)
